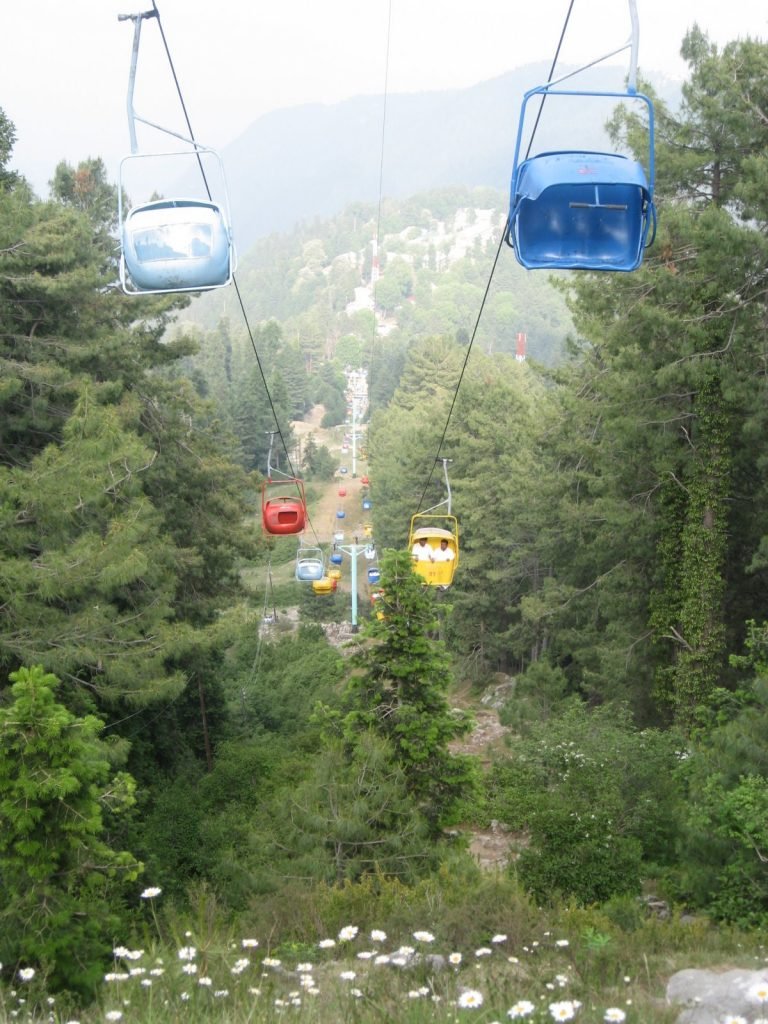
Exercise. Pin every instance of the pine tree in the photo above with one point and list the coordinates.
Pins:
(122, 516)
(400, 693)
(354, 816)
(62, 883)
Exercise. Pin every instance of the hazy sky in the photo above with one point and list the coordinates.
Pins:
(64, 64)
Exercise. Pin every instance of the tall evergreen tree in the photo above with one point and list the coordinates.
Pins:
(400, 693)
(122, 516)
(62, 883)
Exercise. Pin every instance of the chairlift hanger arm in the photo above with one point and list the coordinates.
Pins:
(632, 44)
(133, 117)
(447, 500)
(447, 484)
(137, 19)
(271, 470)
(166, 131)
(545, 88)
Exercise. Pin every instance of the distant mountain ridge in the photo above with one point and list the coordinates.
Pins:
(311, 161)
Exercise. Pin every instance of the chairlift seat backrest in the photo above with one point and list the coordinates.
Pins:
(176, 245)
(580, 210)
(309, 569)
(283, 513)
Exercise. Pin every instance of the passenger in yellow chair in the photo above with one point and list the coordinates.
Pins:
(443, 553)
(422, 551)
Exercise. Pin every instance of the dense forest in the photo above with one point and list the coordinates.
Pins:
(611, 493)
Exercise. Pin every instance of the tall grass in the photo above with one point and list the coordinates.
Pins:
(450, 949)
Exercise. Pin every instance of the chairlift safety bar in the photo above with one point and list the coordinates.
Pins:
(546, 90)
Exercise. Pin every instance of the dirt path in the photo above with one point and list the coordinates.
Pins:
(494, 847)
(327, 499)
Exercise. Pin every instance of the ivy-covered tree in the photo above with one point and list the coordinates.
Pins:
(724, 838)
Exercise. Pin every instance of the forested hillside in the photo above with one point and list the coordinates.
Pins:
(312, 295)
(156, 731)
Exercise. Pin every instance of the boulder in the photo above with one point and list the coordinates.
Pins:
(710, 996)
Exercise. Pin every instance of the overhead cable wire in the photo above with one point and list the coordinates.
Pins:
(550, 76)
(374, 263)
(179, 94)
(437, 458)
(234, 281)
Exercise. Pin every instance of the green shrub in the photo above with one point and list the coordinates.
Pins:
(577, 855)
(597, 797)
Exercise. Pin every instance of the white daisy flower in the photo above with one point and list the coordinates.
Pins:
(565, 1010)
(523, 1008)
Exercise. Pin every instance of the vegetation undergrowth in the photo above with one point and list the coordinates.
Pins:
(460, 946)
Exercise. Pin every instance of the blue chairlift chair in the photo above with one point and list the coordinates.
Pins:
(171, 244)
(175, 245)
(579, 209)
(310, 565)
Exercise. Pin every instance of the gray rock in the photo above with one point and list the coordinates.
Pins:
(498, 695)
(710, 996)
